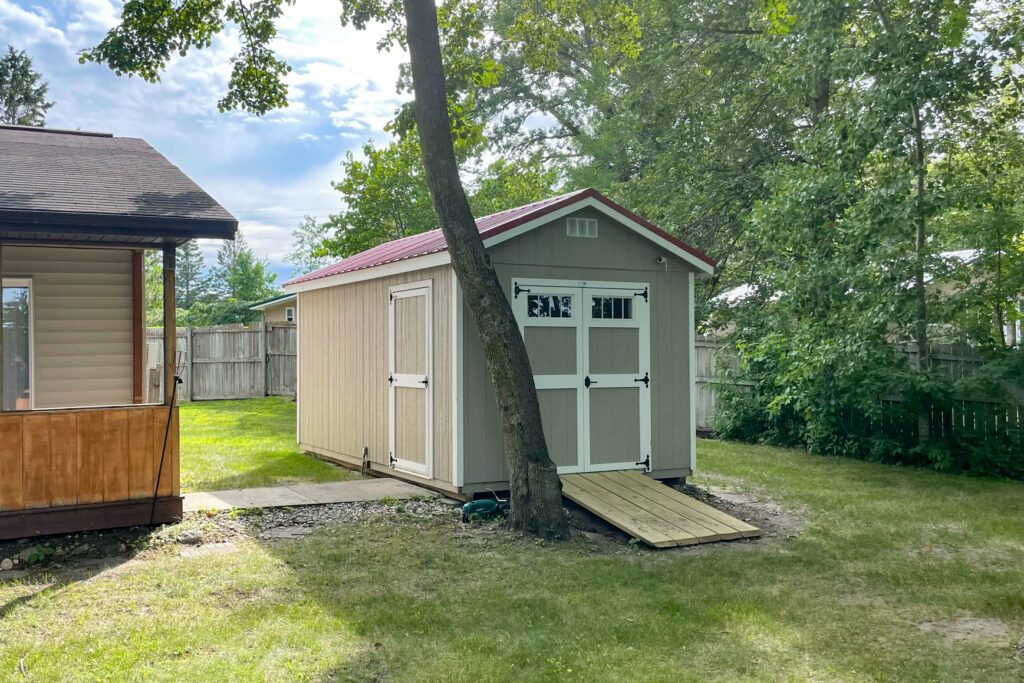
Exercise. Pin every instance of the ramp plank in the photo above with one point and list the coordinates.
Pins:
(656, 514)
(700, 530)
(747, 530)
(621, 514)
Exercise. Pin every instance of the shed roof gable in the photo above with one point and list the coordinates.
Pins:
(494, 229)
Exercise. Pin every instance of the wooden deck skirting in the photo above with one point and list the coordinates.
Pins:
(656, 514)
(93, 457)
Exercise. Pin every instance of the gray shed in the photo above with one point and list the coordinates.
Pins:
(391, 372)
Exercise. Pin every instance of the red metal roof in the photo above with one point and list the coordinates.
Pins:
(433, 242)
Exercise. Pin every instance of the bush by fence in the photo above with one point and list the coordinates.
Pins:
(966, 433)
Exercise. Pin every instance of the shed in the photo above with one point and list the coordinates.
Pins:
(80, 447)
(391, 371)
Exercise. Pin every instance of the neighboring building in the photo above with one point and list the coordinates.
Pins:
(79, 447)
(280, 309)
(392, 374)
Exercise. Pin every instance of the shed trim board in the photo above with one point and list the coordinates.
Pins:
(457, 412)
(692, 372)
(411, 381)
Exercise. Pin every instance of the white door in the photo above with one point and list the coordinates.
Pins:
(550, 320)
(589, 347)
(617, 396)
(410, 400)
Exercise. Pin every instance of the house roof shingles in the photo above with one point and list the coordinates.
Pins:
(52, 179)
(491, 225)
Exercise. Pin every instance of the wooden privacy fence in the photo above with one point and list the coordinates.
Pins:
(978, 418)
(227, 361)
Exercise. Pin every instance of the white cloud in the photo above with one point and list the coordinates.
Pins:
(270, 170)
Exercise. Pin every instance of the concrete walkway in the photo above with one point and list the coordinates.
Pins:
(304, 494)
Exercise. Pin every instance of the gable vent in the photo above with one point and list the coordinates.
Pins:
(581, 227)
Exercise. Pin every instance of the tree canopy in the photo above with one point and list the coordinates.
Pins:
(22, 90)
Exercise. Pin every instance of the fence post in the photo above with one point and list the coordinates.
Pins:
(263, 358)
(188, 362)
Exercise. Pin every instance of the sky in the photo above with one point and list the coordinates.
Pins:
(268, 171)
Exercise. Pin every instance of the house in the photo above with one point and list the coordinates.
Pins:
(79, 446)
(279, 309)
(391, 369)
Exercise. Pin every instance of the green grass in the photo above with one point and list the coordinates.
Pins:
(883, 550)
(241, 444)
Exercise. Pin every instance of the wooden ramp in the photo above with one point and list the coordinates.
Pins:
(658, 515)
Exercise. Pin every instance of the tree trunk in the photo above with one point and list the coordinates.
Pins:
(536, 491)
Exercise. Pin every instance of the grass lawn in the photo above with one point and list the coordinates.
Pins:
(240, 444)
(887, 562)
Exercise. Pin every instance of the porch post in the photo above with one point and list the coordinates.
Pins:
(170, 323)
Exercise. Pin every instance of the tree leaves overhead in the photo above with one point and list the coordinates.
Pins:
(152, 31)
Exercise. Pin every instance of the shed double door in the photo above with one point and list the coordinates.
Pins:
(410, 398)
(589, 347)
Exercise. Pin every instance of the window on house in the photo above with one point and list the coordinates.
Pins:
(17, 345)
(549, 306)
(612, 308)
(581, 227)
(289, 314)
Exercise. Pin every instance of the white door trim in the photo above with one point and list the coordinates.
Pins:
(422, 288)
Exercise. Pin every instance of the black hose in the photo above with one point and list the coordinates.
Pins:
(163, 450)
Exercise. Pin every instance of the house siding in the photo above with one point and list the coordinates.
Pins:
(82, 317)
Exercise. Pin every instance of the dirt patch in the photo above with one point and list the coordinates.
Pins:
(967, 629)
(774, 520)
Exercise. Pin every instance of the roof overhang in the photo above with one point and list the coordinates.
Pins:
(264, 305)
(63, 227)
(702, 266)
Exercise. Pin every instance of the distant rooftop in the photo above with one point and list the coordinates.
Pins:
(96, 184)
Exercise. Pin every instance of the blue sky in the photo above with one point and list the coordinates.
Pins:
(267, 171)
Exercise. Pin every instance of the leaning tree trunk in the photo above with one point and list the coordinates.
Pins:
(536, 492)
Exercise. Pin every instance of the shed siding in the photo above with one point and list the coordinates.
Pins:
(82, 307)
(617, 254)
(343, 388)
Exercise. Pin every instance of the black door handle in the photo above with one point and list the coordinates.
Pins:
(587, 381)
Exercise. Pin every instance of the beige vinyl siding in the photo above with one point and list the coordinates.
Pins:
(82, 317)
(343, 370)
(276, 313)
(617, 254)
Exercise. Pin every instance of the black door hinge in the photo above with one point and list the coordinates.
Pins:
(391, 379)
(644, 294)
(519, 290)
(646, 379)
(425, 381)
(646, 462)
(587, 381)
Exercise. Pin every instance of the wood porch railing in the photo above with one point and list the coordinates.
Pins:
(88, 461)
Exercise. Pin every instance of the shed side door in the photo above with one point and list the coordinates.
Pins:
(410, 405)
